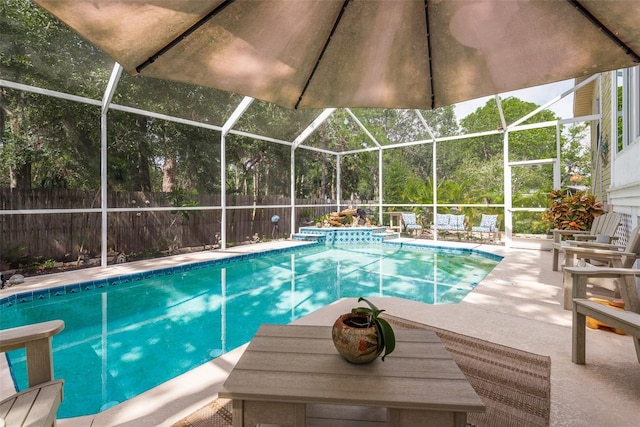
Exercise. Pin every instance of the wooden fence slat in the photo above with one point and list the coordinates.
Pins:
(59, 236)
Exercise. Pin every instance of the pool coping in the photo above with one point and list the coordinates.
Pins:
(179, 397)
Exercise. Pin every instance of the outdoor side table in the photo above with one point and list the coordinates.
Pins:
(289, 373)
(395, 221)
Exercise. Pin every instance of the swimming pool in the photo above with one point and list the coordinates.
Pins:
(126, 335)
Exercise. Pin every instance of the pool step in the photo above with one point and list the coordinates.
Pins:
(390, 235)
(309, 237)
(320, 237)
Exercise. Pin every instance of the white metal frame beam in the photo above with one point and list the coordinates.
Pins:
(106, 100)
(231, 121)
(364, 129)
(312, 127)
(298, 142)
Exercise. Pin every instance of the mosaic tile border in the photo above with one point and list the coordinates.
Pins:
(74, 288)
(448, 249)
(333, 236)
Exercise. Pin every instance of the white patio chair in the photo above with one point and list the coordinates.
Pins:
(411, 223)
(442, 222)
(489, 225)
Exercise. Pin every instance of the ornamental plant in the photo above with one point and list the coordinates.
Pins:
(386, 336)
(572, 211)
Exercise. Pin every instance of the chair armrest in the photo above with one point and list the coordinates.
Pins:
(36, 339)
(558, 233)
(602, 271)
(627, 286)
(592, 237)
(592, 253)
(568, 232)
(580, 274)
(593, 245)
(11, 339)
(584, 237)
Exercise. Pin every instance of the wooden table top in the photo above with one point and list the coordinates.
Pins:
(299, 363)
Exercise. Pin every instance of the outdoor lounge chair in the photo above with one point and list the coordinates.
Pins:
(609, 255)
(457, 224)
(37, 405)
(604, 225)
(442, 222)
(450, 222)
(411, 223)
(489, 225)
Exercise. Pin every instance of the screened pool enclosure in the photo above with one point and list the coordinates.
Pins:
(97, 161)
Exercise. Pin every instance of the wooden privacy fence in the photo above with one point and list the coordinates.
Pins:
(62, 236)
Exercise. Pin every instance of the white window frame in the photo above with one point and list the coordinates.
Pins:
(630, 106)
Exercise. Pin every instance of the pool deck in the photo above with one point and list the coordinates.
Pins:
(519, 304)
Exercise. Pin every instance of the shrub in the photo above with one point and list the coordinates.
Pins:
(572, 211)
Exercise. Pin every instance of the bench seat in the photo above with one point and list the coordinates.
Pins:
(33, 407)
(37, 405)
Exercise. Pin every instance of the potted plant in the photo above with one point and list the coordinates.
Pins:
(361, 335)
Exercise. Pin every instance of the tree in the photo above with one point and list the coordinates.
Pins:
(576, 156)
(479, 161)
(42, 139)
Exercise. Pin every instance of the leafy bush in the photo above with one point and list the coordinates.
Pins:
(572, 211)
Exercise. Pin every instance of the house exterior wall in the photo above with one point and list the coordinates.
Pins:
(624, 187)
(601, 140)
(615, 175)
(624, 193)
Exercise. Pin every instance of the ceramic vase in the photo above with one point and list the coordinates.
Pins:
(355, 339)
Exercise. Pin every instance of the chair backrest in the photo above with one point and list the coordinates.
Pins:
(595, 225)
(442, 220)
(630, 296)
(632, 246)
(606, 224)
(489, 221)
(409, 219)
(456, 222)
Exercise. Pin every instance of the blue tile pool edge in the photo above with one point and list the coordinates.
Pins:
(74, 288)
(42, 294)
(447, 249)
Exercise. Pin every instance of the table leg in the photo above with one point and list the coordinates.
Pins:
(279, 413)
(415, 418)
(238, 412)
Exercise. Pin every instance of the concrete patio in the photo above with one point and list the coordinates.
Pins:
(519, 305)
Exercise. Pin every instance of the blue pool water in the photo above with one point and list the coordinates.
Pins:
(126, 335)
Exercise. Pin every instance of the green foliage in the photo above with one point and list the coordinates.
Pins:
(576, 156)
(149, 253)
(530, 222)
(13, 254)
(386, 336)
(49, 263)
(180, 197)
(572, 211)
(321, 218)
(47, 142)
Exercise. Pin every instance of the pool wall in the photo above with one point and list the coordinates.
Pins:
(347, 235)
